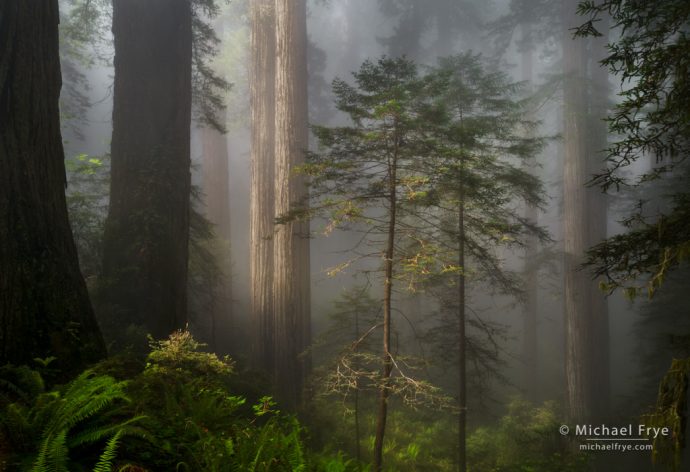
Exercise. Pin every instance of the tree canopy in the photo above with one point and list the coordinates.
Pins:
(651, 57)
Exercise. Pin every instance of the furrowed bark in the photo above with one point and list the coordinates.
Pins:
(44, 305)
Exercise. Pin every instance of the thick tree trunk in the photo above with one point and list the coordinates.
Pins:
(530, 347)
(217, 204)
(598, 208)
(291, 277)
(147, 230)
(261, 226)
(384, 390)
(44, 306)
(579, 320)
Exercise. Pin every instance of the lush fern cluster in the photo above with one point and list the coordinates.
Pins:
(64, 429)
(181, 410)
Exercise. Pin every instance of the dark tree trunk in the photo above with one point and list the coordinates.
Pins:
(384, 391)
(44, 306)
(291, 277)
(147, 230)
(358, 453)
(261, 226)
(462, 337)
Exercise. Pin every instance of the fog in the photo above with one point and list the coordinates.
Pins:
(593, 353)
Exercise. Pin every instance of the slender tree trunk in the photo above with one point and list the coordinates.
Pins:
(530, 346)
(579, 321)
(462, 338)
(358, 455)
(291, 242)
(217, 199)
(598, 206)
(44, 306)
(261, 227)
(384, 391)
(147, 230)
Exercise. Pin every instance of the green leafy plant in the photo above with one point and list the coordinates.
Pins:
(84, 413)
(525, 439)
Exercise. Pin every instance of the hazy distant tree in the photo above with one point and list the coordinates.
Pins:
(599, 101)
(291, 274)
(83, 31)
(216, 190)
(530, 346)
(449, 20)
(44, 306)
(578, 287)
(261, 226)
(348, 353)
(473, 180)
(585, 318)
(543, 18)
(531, 25)
(147, 230)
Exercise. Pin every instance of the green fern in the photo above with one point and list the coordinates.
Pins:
(82, 414)
(53, 454)
(105, 461)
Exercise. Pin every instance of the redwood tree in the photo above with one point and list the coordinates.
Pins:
(291, 294)
(44, 306)
(147, 230)
(262, 83)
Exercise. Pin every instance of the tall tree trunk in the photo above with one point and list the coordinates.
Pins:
(579, 320)
(462, 337)
(598, 208)
(358, 453)
(217, 199)
(529, 346)
(291, 277)
(384, 390)
(44, 306)
(261, 227)
(147, 230)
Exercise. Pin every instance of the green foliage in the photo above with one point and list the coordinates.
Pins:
(652, 59)
(671, 412)
(41, 432)
(639, 261)
(428, 172)
(457, 134)
(182, 411)
(19, 384)
(208, 87)
(419, 440)
(180, 355)
(525, 439)
(88, 178)
(201, 421)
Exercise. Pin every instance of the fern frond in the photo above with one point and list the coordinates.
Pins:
(53, 454)
(93, 435)
(86, 396)
(105, 461)
(15, 424)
